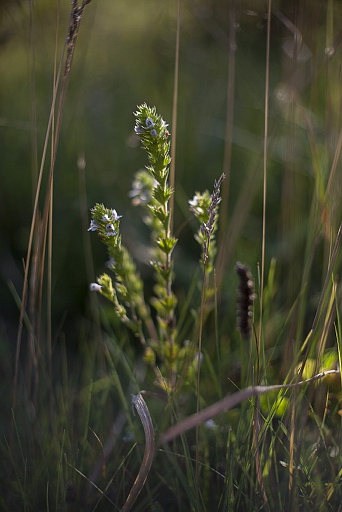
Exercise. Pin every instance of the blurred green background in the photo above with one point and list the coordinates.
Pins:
(125, 56)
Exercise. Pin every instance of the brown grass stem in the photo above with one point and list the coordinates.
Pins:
(263, 238)
(172, 176)
(48, 196)
(229, 123)
(256, 428)
(229, 402)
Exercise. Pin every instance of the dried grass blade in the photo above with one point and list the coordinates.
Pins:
(144, 415)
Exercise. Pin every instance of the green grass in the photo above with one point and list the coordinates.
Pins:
(70, 440)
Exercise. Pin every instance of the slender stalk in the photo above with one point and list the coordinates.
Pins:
(256, 428)
(50, 238)
(174, 117)
(199, 370)
(263, 239)
(207, 231)
(229, 124)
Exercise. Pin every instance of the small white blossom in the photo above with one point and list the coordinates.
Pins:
(110, 229)
(149, 123)
(193, 202)
(94, 287)
(210, 424)
(114, 215)
(93, 226)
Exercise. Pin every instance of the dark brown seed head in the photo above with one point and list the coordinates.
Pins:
(245, 298)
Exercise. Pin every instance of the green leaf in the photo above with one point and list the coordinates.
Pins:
(167, 244)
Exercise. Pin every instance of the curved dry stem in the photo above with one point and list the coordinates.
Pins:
(144, 415)
(228, 403)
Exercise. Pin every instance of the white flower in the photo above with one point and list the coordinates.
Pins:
(114, 215)
(93, 226)
(94, 287)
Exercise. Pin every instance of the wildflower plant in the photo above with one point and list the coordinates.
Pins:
(205, 208)
(152, 130)
(128, 288)
(151, 191)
